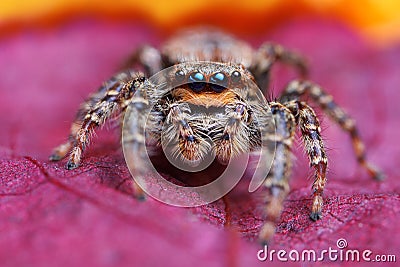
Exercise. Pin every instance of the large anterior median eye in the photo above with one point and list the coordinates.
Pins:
(218, 81)
(196, 81)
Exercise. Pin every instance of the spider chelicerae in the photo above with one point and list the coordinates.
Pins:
(221, 88)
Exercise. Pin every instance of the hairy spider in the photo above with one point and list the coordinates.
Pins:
(217, 88)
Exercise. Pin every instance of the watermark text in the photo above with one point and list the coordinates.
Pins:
(338, 253)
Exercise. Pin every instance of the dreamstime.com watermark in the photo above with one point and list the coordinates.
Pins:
(339, 253)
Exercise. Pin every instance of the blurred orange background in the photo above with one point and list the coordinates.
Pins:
(378, 21)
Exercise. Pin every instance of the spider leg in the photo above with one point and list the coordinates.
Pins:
(145, 56)
(134, 138)
(267, 55)
(234, 138)
(296, 89)
(117, 93)
(277, 180)
(314, 146)
(62, 150)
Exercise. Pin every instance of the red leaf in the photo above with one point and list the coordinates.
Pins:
(87, 217)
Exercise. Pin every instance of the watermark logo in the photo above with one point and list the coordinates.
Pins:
(151, 121)
(341, 243)
(339, 253)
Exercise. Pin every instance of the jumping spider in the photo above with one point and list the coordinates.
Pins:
(218, 88)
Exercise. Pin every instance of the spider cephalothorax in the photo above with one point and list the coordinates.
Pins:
(211, 110)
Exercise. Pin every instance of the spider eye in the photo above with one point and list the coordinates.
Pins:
(219, 82)
(197, 81)
(179, 75)
(236, 76)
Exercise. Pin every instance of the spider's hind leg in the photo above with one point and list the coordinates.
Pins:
(146, 57)
(267, 55)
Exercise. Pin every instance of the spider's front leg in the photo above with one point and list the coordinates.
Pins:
(314, 146)
(62, 150)
(277, 181)
(116, 95)
(296, 89)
